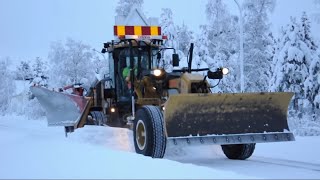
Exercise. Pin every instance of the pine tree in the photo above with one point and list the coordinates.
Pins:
(272, 53)
(124, 6)
(292, 66)
(305, 33)
(311, 84)
(40, 75)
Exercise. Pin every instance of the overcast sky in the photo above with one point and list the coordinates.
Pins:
(27, 27)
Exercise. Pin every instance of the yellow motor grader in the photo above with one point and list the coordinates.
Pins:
(171, 108)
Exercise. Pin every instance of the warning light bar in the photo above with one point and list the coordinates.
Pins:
(137, 30)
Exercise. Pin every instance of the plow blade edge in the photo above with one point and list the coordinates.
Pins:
(223, 114)
(62, 109)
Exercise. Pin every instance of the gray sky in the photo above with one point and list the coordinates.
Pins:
(27, 27)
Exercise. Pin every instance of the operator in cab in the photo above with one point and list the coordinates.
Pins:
(127, 74)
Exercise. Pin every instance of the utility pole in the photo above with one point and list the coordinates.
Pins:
(241, 45)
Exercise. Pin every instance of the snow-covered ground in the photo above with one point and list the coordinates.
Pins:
(30, 149)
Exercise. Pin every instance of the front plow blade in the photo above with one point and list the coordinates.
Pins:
(225, 114)
(61, 109)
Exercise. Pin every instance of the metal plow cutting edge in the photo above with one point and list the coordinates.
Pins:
(62, 109)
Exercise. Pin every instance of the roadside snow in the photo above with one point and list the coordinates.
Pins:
(30, 149)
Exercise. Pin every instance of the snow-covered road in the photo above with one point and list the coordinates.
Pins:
(37, 151)
(257, 165)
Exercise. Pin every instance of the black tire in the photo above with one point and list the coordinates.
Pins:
(238, 151)
(148, 132)
(96, 118)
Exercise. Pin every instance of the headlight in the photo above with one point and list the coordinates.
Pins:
(156, 72)
(225, 71)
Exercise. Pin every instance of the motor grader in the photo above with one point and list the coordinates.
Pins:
(169, 108)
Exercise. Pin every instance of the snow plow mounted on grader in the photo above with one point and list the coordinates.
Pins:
(168, 108)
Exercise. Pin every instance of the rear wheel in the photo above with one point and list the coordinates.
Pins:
(148, 132)
(96, 118)
(238, 151)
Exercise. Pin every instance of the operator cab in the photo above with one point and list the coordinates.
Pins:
(144, 60)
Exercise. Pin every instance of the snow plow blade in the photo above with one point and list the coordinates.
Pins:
(62, 109)
(219, 115)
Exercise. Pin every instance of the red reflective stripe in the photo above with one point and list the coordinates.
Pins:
(159, 31)
(129, 30)
(115, 30)
(146, 30)
(164, 37)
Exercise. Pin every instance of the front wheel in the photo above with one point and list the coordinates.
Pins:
(148, 132)
(238, 151)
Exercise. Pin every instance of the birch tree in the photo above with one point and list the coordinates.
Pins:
(256, 31)
(71, 63)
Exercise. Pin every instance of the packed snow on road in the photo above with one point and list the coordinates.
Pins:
(31, 149)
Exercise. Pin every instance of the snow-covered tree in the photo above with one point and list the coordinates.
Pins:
(184, 38)
(24, 71)
(40, 72)
(7, 85)
(222, 29)
(124, 6)
(98, 63)
(222, 41)
(101, 64)
(305, 33)
(201, 55)
(312, 85)
(292, 64)
(272, 52)
(256, 31)
(297, 70)
(168, 29)
(71, 63)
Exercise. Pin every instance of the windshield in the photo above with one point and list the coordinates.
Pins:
(124, 58)
(145, 64)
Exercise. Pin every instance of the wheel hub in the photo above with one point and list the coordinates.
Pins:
(141, 137)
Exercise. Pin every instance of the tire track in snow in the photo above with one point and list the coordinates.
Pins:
(287, 163)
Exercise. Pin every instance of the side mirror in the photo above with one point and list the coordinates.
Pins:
(175, 60)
